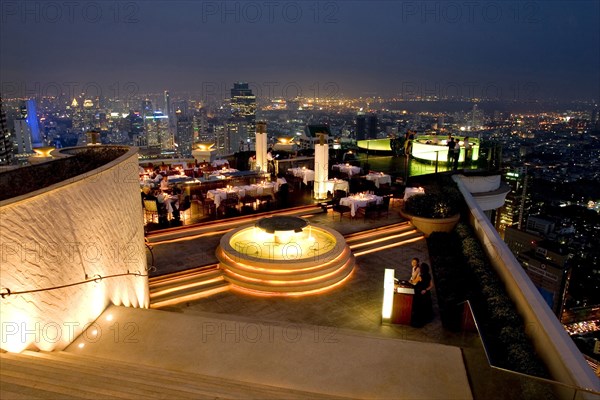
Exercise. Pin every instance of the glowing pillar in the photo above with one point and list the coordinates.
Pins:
(388, 295)
(261, 146)
(321, 168)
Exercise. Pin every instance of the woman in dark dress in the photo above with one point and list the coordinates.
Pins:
(422, 310)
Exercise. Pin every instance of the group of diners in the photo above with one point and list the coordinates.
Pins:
(170, 200)
(182, 170)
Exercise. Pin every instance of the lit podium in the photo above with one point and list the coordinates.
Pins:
(402, 308)
(397, 300)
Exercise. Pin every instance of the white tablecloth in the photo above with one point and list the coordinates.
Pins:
(379, 179)
(218, 195)
(337, 184)
(224, 171)
(219, 163)
(411, 191)
(175, 177)
(347, 169)
(358, 200)
(306, 174)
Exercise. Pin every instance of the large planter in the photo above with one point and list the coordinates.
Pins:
(429, 225)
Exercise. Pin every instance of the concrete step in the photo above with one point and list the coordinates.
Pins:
(184, 282)
(190, 292)
(68, 375)
(162, 280)
(49, 376)
(19, 389)
(382, 238)
(377, 232)
(179, 287)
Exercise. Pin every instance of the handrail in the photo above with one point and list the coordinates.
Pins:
(96, 278)
(537, 378)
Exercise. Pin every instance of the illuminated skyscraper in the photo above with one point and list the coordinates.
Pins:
(25, 124)
(512, 213)
(242, 125)
(6, 149)
(185, 134)
(167, 110)
(157, 131)
(27, 130)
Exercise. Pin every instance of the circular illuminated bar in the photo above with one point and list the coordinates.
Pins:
(426, 148)
(284, 256)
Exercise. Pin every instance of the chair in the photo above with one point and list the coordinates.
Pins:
(230, 203)
(384, 207)
(338, 194)
(283, 194)
(248, 203)
(337, 207)
(151, 207)
(370, 209)
(208, 206)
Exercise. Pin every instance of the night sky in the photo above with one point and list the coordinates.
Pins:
(510, 50)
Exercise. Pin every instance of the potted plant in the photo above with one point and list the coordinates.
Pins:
(433, 211)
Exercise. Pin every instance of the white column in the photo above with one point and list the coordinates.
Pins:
(321, 169)
(261, 146)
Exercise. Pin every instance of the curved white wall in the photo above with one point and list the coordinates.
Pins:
(90, 225)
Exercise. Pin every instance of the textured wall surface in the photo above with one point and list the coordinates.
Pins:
(87, 227)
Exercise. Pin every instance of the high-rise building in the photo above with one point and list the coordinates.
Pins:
(184, 136)
(27, 130)
(243, 115)
(6, 147)
(157, 131)
(167, 110)
(517, 202)
(147, 109)
(549, 270)
(361, 126)
(372, 127)
(25, 124)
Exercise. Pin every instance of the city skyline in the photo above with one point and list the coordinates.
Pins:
(512, 51)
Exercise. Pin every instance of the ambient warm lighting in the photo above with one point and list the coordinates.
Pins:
(109, 317)
(43, 151)
(81, 345)
(388, 294)
(284, 256)
(205, 146)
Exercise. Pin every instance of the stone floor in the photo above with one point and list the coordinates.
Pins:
(354, 306)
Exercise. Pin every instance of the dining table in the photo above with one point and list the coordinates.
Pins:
(347, 169)
(360, 200)
(379, 178)
(307, 175)
(337, 184)
(259, 189)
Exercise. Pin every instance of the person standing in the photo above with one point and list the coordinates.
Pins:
(414, 275)
(468, 151)
(456, 153)
(451, 144)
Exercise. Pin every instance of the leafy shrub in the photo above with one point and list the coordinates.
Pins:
(431, 205)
